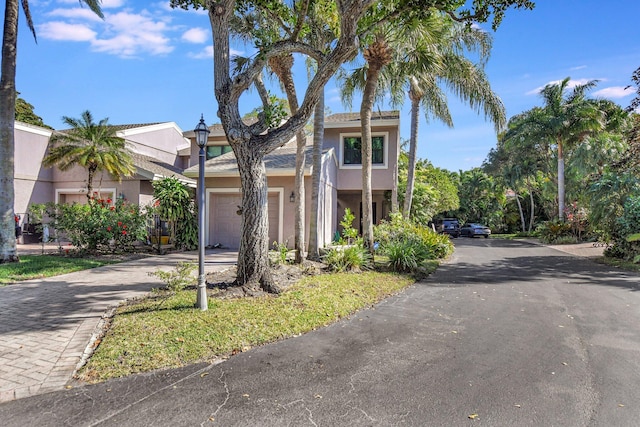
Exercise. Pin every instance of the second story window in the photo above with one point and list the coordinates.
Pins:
(352, 154)
(213, 151)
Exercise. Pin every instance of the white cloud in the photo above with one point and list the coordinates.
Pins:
(205, 53)
(103, 3)
(106, 4)
(572, 83)
(130, 34)
(196, 35)
(579, 67)
(75, 13)
(66, 32)
(615, 92)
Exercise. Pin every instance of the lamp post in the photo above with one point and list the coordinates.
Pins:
(202, 134)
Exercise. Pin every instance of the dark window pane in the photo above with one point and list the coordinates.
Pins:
(352, 150)
(377, 152)
(213, 151)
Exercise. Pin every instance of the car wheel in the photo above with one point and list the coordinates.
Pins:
(486, 236)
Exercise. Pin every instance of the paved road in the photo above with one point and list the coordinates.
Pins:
(516, 333)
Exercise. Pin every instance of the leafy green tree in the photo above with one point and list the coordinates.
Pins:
(174, 203)
(440, 60)
(635, 102)
(481, 199)
(434, 190)
(25, 113)
(93, 146)
(564, 121)
(7, 118)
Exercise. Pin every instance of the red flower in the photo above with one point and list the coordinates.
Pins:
(124, 226)
(124, 232)
(109, 201)
(113, 208)
(109, 228)
(119, 223)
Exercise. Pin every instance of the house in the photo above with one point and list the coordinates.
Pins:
(341, 179)
(156, 149)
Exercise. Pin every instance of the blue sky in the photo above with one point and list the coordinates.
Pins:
(148, 63)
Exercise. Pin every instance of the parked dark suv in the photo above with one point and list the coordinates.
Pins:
(450, 226)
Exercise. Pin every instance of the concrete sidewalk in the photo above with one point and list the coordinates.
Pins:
(47, 324)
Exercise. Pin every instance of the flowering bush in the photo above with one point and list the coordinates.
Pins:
(100, 225)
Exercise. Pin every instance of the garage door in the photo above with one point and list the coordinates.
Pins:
(224, 222)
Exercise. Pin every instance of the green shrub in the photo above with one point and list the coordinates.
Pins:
(174, 203)
(178, 279)
(281, 250)
(626, 246)
(551, 231)
(565, 240)
(349, 234)
(402, 256)
(348, 258)
(408, 245)
(100, 225)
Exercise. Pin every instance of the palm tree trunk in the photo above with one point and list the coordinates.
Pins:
(377, 56)
(365, 120)
(91, 173)
(318, 135)
(531, 201)
(8, 251)
(282, 65)
(413, 148)
(560, 182)
(522, 222)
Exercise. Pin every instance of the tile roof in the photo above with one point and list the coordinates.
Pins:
(281, 159)
(158, 168)
(355, 117)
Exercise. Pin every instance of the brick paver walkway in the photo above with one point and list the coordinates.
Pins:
(46, 324)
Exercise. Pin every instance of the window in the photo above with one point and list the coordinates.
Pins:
(352, 152)
(217, 150)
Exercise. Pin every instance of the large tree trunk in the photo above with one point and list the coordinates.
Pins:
(253, 260)
(413, 148)
(8, 251)
(560, 182)
(318, 138)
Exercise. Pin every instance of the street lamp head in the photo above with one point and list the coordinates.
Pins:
(202, 133)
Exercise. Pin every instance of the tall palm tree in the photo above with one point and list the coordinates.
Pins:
(94, 146)
(7, 117)
(439, 59)
(566, 119)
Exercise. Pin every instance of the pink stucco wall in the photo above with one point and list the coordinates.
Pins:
(158, 141)
(32, 182)
(349, 177)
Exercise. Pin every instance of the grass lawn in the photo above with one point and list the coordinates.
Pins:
(625, 265)
(39, 266)
(156, 333)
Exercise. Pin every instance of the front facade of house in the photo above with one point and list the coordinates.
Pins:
(155, 148)
(162, 149)
(341, 180)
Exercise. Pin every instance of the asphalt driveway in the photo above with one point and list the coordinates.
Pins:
(506, 334)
